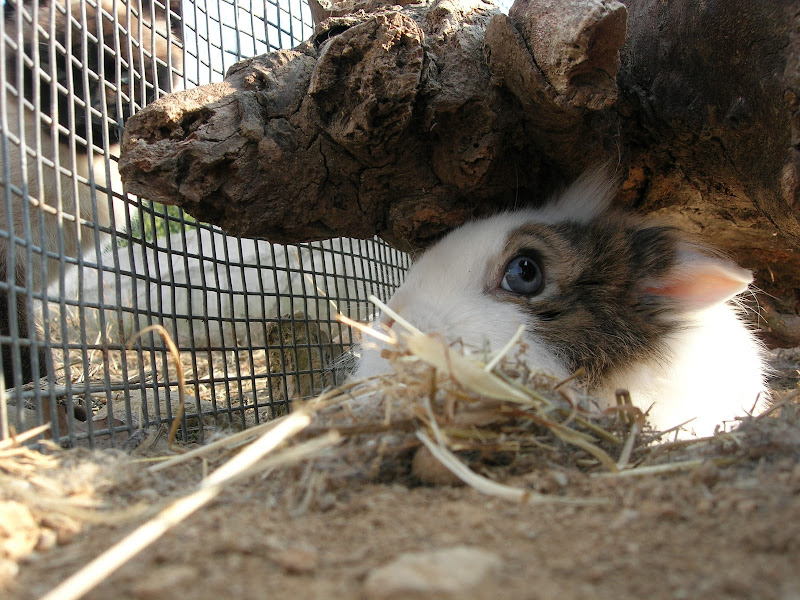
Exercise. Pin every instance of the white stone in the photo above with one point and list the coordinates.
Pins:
(446, 572)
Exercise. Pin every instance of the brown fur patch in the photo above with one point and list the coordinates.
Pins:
(593, 310)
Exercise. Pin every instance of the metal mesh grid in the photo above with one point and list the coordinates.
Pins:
(254, 322)
(218, 34)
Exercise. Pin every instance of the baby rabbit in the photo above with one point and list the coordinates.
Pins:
(637, 304)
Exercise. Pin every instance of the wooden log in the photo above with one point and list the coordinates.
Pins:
(407, 121)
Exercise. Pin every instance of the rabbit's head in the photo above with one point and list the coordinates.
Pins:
(613, 293)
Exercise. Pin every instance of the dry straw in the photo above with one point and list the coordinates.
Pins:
(101, 567)
(439, 397)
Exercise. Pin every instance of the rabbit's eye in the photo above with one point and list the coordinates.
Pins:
(523, 276)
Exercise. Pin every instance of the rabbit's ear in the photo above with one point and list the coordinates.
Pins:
(698, 280)
(588, 197)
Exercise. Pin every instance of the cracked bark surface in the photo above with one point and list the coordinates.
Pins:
(406, 121)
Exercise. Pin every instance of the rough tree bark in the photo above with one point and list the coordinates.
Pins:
(407, 121)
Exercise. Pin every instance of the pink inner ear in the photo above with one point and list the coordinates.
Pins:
(701, 283)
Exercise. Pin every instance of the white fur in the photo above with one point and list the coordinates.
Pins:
(588, 197)
(229, 286)
(444, 293)
(51, 199)
(715, 373)
(714, 370)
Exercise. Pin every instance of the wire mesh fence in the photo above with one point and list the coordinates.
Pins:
(84, 266)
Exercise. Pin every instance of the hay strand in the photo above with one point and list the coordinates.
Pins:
(109, 561)
(176, 360)
(492, 488)
(20, 438)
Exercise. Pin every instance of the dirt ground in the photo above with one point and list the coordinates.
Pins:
(729, 529)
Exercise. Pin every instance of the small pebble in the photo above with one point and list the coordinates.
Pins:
(427, 468)
(446, 573)
(297, 561)
(706, 474)
(66, 528)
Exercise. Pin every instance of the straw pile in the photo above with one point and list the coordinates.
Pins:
(442, 417)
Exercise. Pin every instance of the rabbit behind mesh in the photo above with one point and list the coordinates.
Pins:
(73, 71)
(636, 303)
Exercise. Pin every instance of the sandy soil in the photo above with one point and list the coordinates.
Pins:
(702, 532)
